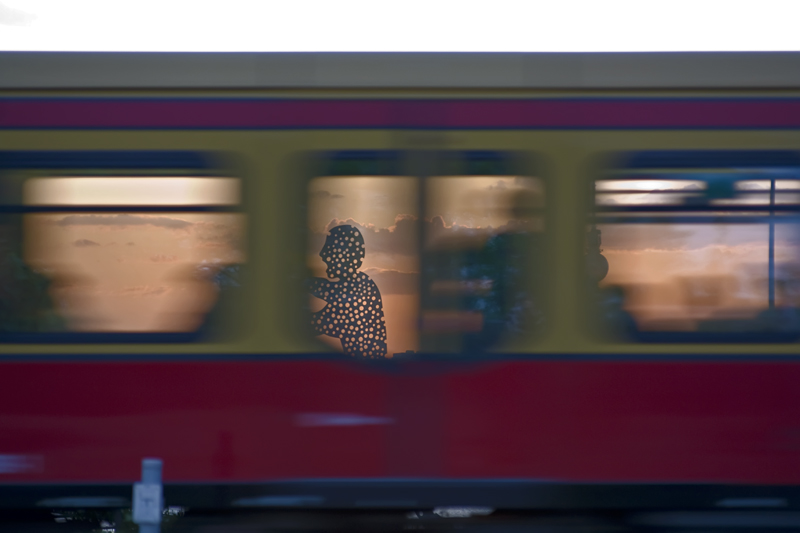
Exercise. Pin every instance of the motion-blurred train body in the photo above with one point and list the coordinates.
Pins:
(558, 281)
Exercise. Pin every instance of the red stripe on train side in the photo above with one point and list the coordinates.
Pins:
(515, 113)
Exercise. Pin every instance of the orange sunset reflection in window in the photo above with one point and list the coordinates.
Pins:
(133, 271)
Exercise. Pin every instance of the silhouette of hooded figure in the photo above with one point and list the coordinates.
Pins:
(354, 313)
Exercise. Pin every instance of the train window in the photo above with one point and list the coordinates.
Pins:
(707, 252)
(119, 254)
(439, 264)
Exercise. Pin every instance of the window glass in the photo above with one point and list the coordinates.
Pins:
(438, 264)
(481, 237)
(697, 254)
(118, 270)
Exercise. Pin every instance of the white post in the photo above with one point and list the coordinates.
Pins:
(148, 501)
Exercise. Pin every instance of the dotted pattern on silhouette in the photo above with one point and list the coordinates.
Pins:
(354, 313)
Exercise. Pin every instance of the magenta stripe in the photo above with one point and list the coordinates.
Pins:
(552, 113)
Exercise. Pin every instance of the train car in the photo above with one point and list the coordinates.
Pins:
(534, 284)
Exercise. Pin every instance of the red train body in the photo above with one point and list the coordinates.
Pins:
(564, 427)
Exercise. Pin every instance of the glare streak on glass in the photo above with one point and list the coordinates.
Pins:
(719, 190)
(764, 185)
(646, 192)
(90, 191)
(649, 198)
(648, 185)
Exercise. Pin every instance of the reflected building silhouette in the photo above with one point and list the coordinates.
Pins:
(354, 310)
